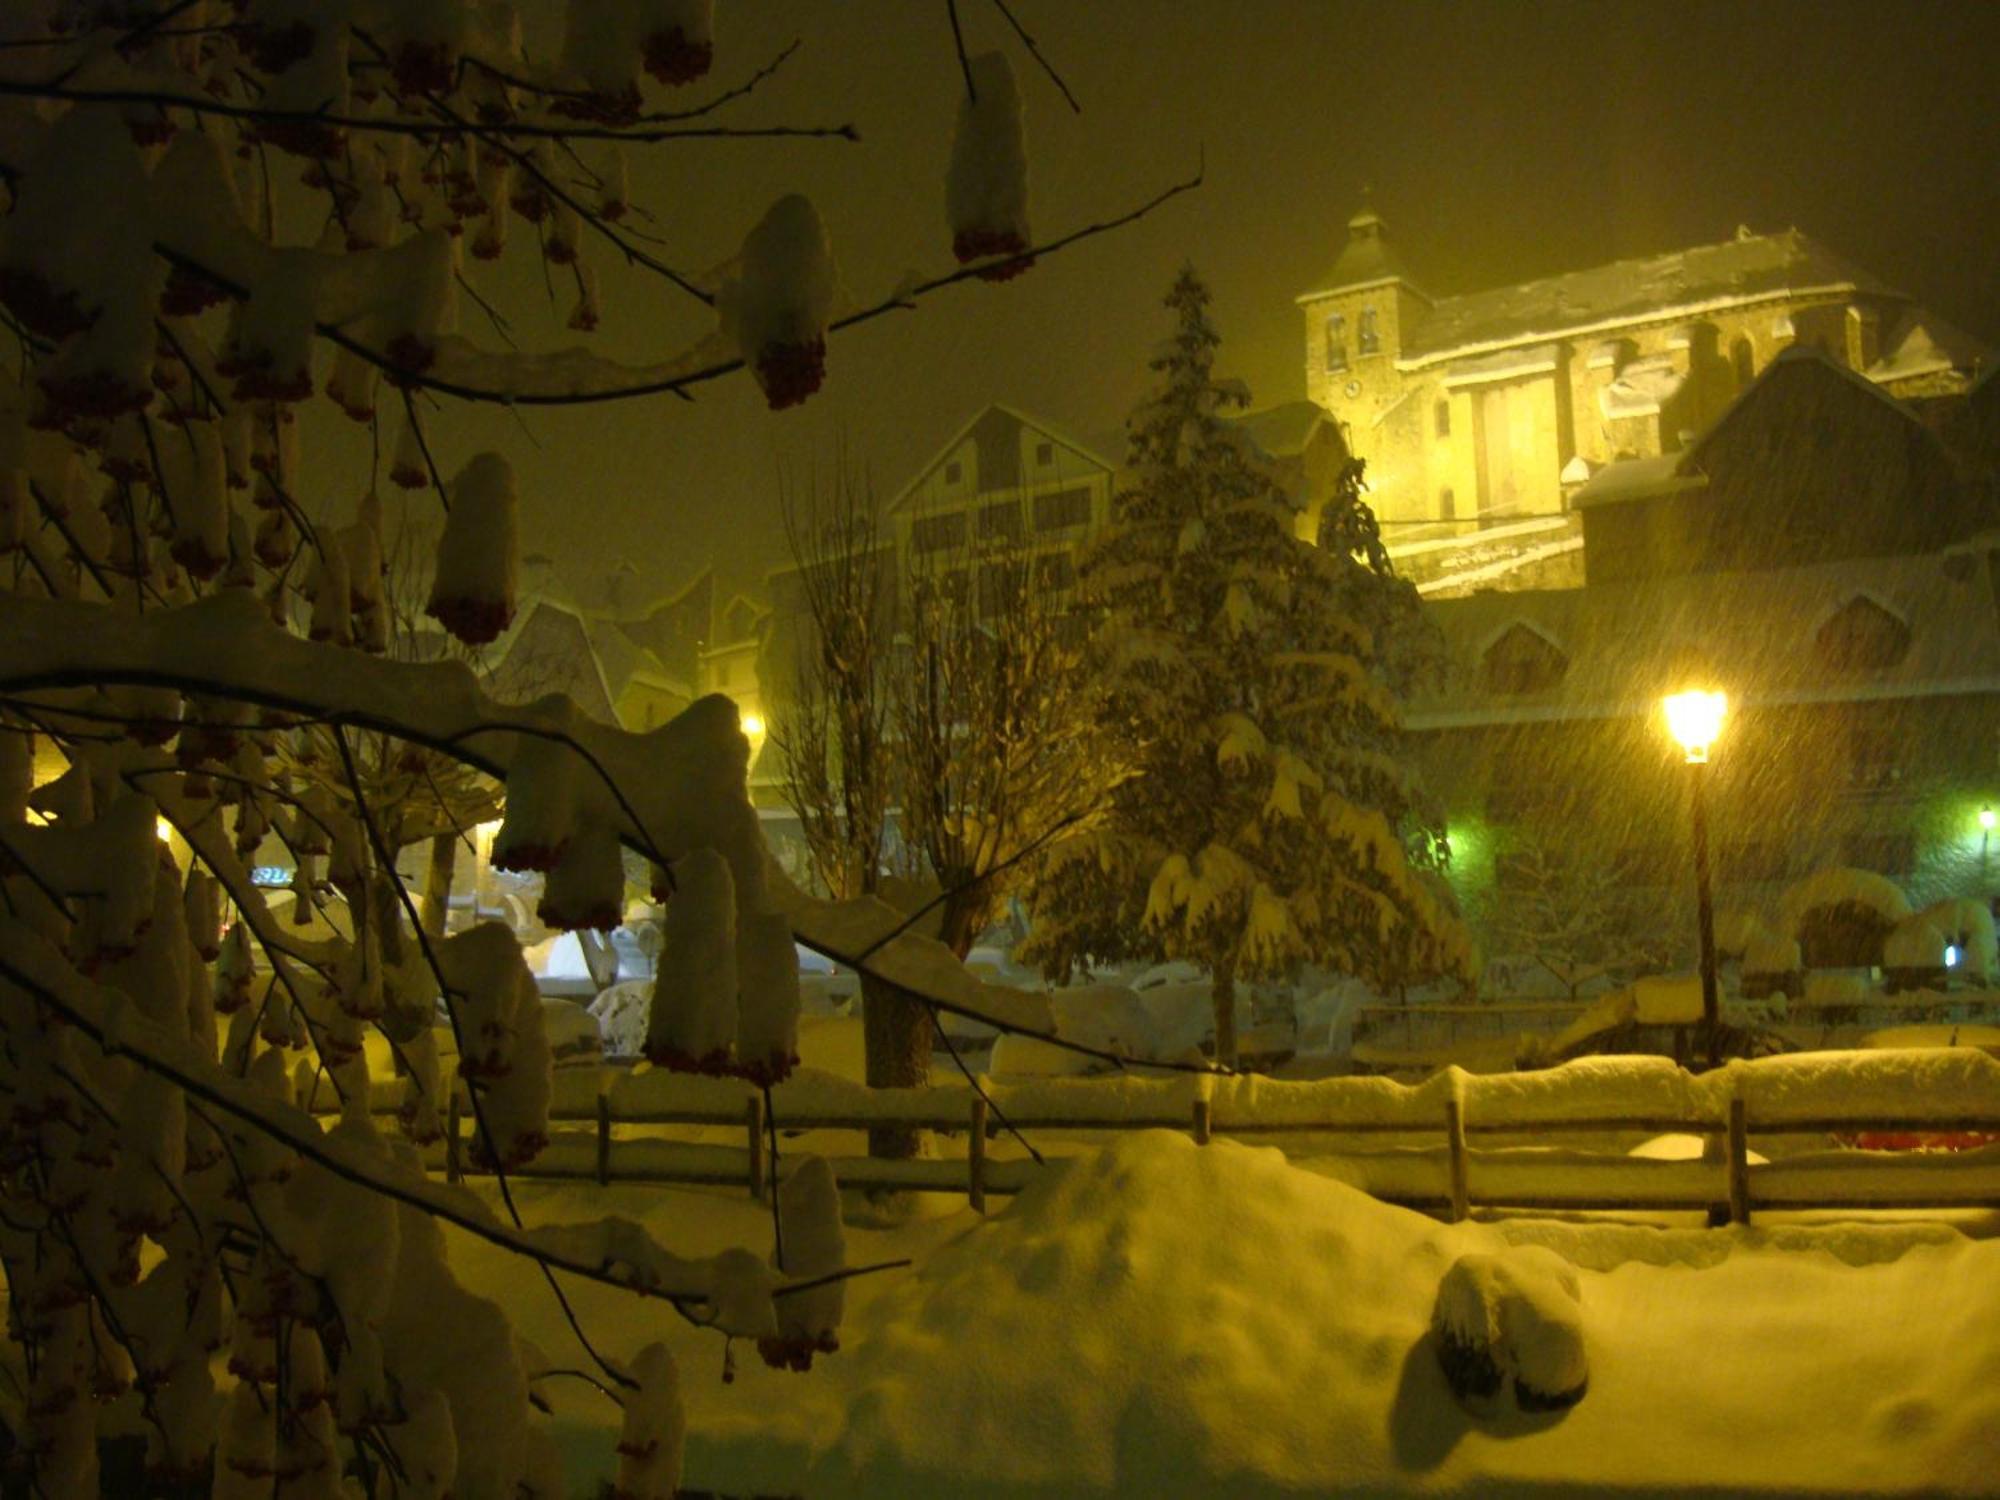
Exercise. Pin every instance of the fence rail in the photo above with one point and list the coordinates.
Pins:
(1412, 1155)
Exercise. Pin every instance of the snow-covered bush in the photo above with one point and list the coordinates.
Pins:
(1511, 1322)
(1842, 917)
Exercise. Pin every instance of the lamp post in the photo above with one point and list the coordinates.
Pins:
(1694, 718)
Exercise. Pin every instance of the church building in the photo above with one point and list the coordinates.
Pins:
(1496, 406)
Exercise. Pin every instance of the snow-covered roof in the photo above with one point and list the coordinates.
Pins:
(1791, 375)
(1756, 632)
(1283, 431)
(1633, 479)
(1641, 388)
(1793, 372)
(1502, 364)
(1086, 450)
(1366, 260)
(1922, 343)
(1747, 268)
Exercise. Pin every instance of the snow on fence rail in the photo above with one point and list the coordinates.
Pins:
(1939, 1090)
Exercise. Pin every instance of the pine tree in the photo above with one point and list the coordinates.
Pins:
(1262, 820)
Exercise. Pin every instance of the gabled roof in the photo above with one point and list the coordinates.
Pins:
(1747, 268)
(1799, 362)
(1642, 478)
(1922, 343)
(1037, 424)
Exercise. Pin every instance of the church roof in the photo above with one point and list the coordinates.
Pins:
(1367, 260)
(1744, 268)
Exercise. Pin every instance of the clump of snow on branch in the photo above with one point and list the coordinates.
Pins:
(780, 300)
(986, 189)
(472, 593)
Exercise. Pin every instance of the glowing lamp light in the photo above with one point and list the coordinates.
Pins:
(753, 725)
(163, 828)
(1694, 719)
(1985, 820)
(1951, 955)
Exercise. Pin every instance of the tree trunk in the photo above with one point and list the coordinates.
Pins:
(437, 882)
(1225, 1015)
(897, 1035)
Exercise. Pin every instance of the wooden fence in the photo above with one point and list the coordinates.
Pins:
(1429, 1165)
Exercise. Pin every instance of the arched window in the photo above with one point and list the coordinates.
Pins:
(1441, 419)
(1336, 342)
(1745, 359)
(1367, 338)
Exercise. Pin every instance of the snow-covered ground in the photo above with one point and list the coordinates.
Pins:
(1164, 1319)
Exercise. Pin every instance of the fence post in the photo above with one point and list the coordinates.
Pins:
(453, 1172)
(753, 1119)
(1202, 1121)
(1739, 1161)
(975, 1157)
(1454, 1135)
(603, 1140)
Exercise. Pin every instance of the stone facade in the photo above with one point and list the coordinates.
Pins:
(1482, 409)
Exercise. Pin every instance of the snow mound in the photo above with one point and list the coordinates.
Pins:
(1512, 1321)
(1159, 1318)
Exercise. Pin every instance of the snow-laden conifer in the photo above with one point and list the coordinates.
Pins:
(1267, 822)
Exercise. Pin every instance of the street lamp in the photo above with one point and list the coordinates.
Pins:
(1694, 718)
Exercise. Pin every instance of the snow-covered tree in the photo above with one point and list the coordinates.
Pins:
(956, 708)
(1267, 821)
(217, 211)
(1567, 906)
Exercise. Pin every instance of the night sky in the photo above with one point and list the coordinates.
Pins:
(1503, 140)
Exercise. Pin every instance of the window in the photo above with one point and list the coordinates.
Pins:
(1054, 572)
(1062, 509)
(938, 533)
(953, 472)
(1447, 504)
(1368, 340)
(1000, 521)
(1745, 360)
(1336, 342)
(1045, 454)
(1441, 419)
(1874, 759)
